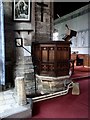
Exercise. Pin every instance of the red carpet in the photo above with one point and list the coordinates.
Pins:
(80, 72)
(82, 69)
(68, 106)
(80, 75)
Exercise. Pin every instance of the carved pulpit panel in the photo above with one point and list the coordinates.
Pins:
(52, 59)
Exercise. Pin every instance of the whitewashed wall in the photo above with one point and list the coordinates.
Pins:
(78, 21)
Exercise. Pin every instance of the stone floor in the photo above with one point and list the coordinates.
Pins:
(9, 105)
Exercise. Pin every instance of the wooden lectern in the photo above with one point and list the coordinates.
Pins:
(51, 58)
(70, 34)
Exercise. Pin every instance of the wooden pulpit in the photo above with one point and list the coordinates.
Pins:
(51, 58)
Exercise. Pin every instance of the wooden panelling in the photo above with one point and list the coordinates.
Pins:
(85, 57)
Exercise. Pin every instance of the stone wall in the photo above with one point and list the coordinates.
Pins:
(43, 28)
(19, 59)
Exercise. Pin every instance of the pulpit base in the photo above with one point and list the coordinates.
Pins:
(47, 85)
(50, 93)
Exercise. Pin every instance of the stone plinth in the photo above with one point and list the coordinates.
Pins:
(20, 90)
(52, 84)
